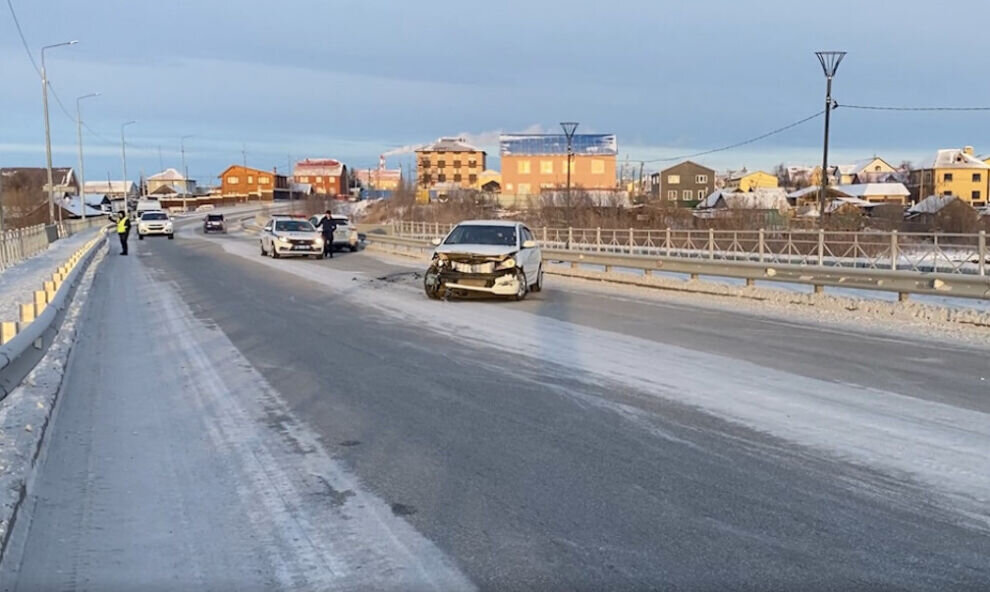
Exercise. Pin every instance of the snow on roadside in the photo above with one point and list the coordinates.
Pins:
(941, 446)
(18, 282)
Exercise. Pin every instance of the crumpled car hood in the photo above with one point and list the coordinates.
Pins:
(468, 251)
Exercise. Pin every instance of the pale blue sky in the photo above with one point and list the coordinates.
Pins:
(351, 79)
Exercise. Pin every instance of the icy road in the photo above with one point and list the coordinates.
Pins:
(237, 422)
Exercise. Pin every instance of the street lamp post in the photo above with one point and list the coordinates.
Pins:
(569, 127)
(123, 158)
(830, 64)
(185, 169)
(48, 132)
(82, 168)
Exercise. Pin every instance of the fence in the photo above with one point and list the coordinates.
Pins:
(21, 243)
(907, 251)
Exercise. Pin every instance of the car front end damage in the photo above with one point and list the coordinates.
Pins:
(462, 274)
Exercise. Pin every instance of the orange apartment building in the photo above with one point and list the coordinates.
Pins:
(325, 175)
(241, 180)
(450, 162)
(532, 163)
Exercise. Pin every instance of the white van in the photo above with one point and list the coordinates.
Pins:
(147, 205)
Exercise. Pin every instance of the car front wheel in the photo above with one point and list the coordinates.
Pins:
(538, 284)
(523, 286)
(263, 252)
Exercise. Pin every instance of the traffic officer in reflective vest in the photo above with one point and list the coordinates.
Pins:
(123, 231)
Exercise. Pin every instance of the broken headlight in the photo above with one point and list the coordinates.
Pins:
(509, 263)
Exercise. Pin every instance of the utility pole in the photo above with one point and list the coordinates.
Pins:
(82, 168)
(161, 163)
(123, 159)
(185, 169)
(830, 64)
(569, 127)
(48, 133)
(244, 155)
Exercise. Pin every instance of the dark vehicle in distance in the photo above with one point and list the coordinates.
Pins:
(214, 223)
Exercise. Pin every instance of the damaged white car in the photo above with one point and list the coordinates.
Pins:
(494, 257)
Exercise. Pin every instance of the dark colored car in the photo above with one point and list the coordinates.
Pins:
(214, 223)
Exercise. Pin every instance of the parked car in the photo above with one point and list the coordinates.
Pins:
(205, 208)
(496, 257)
(155, 222)
(288, 236)
(214, 223)
(345, 237)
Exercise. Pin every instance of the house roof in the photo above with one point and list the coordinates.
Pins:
(38, 176)
(690, 162)
(837, 202)
(931, 204)
(168, 189)
(449, 145)
(954, 158)
(581, 144)
(761, 198)
(737, 175)
(867, 189)
(319, 166)
(96, 199)
(169, 174)
(113, 187)
(72, 205)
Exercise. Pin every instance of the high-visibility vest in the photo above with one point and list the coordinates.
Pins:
(122, 225)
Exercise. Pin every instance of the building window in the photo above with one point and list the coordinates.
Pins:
(976, 177)
(427, 178)
(673, 179)
(472, 163)
(304, 179)
(686, 195)
(701, 194)
(457, 164)
(472, 178)
(701, 179)
(975, 196)
(508, 187)
(457, 177)
(425, 163)
(441, 164)
(250, 178)
(522, 167)
(233, 179)
(947, 177)
(546, 167)
(671, 194)
(441, 177)
(524, 188)
(947, 192)
(264, 180)
(546, 185)
(597, 167)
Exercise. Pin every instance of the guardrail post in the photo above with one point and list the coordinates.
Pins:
(436, 229)
(763, 244)
(544, 235)
(821, 250)
(598, 239)
(894, 254)
(666, 241)
(711, 243)
(570, 237)
(7, 331)
(982, 252)
(631, 239)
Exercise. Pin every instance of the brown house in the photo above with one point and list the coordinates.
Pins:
(23, 196)
(449, 161)
(326, 176)
(685, 184)
(246, 181)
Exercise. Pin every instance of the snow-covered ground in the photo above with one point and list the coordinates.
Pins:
(18, 282)
(940, 446)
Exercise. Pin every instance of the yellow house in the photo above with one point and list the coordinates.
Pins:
(955, 172)
(488, 176)
(870, 170)
(746, 181)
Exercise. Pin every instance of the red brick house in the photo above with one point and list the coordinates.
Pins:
(253, 183)
(326, 175)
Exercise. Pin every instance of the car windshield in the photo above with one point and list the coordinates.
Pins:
(293, 226)
(476, 234)
(154, 216)
(215, 217)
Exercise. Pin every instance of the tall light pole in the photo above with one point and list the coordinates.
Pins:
(82, 168)
(123, 157)
(48, 132)
(830, 64)
(182, 147)
(569, 127)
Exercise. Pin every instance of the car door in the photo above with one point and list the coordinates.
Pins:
(266, 235)
(528, 257)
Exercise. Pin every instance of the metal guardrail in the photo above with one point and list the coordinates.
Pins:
(20, 355)
(903, 282)
(21, 243)
(911, 251)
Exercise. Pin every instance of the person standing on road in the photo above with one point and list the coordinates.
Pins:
(328, 225)
(123, 231)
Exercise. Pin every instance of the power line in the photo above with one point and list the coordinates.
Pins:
(743, 143)
(879, 108)
(20, 32)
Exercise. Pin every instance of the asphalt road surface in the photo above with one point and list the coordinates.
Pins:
(575, 441)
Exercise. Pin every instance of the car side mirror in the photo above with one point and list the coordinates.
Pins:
(436, 242)
(529, 244)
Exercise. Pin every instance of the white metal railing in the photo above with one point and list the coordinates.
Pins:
(906, 251)
(21, 243)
